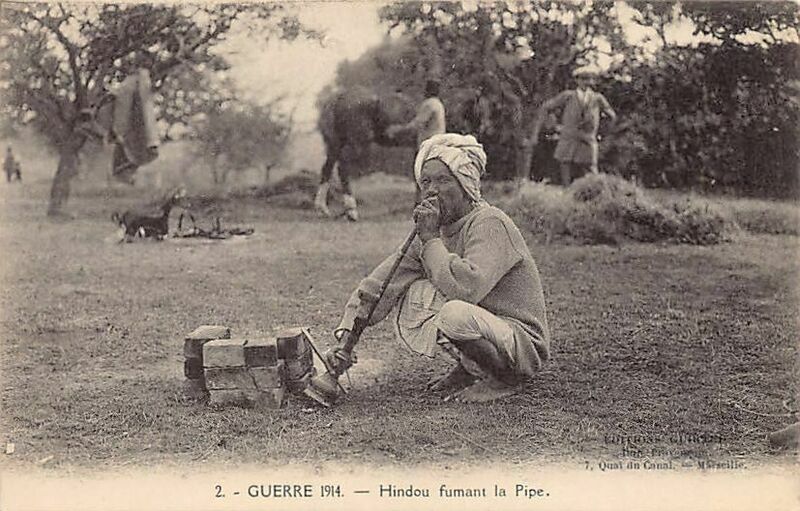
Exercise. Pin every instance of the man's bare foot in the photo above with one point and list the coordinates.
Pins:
(484, 391)
(456, 379)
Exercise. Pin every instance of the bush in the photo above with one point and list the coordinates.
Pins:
(766, 217)
(702, 223)
(600, 208)
(542, 209)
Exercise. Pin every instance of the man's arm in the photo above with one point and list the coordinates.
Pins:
(488, 255)
(424, 114)
(605, 106)
(409, 270)
(544, 110)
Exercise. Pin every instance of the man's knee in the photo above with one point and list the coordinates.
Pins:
(455, 320)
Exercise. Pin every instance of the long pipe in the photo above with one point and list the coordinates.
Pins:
(360, 324)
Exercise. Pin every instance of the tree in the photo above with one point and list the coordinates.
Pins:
(242, 136)
(59, 60)
(500, 60)
(721, 111)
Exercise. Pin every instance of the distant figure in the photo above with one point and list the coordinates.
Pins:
(429, 121)
(576, 151)
(11, 166)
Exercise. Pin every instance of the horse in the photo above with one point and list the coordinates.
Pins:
(350, 121)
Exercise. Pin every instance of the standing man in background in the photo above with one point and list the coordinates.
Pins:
(576, 151)
(11, 166)
(430, 119)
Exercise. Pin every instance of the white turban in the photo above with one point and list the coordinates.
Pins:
(462, 154)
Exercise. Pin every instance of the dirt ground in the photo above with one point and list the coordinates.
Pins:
(691, 349)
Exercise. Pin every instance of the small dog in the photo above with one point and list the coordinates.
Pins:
(152, 221)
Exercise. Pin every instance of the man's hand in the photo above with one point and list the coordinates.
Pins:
(336, 358)
(426, 216)
(393, 130)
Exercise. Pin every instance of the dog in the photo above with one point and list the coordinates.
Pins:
(150, 221)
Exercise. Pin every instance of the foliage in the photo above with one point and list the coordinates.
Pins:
(241, 136)
(719, 111)
(722, 114)
(764, 216)
(59, 59)
(607, 209)
(498, 61)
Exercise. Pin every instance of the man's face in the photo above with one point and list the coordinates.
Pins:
(437, 181)
(585, 82)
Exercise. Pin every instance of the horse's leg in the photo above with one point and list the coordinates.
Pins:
(349, 201)
(321, 199)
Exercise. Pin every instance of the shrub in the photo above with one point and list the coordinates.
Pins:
(540, 208)
(600, 208)
(702, 223)
(766, 217)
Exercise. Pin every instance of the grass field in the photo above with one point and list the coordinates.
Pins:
(653, 340)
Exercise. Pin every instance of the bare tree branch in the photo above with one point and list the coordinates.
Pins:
(159, 72)
(54, 26)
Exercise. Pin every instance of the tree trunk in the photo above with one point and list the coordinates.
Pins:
(267, 169)
(67, 170)
(214, 170)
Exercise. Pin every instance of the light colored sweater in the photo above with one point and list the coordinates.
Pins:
(480, 259)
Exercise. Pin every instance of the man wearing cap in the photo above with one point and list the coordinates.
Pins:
(468, 285)
(576, 151)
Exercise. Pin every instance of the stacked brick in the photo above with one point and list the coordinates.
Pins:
(244, 372)
(250, 372)
(294, 348)
(194, 386)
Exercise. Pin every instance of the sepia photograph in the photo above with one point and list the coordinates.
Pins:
(475, 255)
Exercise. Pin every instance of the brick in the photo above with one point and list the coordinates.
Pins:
(210, 333)
(224, 353)
(261, 352)
(195, 389)
(305, 358)
(297, 368)
(222, 378)
(270, 399)
(193, 367)
(292, 343)
(298, 385)
(193, 348)
(233, 397)
(268, 377)
(193, 343)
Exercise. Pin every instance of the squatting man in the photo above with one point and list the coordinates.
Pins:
(468, 285)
